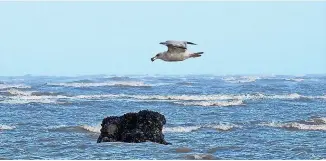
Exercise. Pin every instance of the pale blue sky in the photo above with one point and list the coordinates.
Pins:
(81, 38)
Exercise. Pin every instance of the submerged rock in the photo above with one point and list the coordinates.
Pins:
(183, 150)
(133, 128)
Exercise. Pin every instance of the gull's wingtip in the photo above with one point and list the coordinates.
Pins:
(191, 43)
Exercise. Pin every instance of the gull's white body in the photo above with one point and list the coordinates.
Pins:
(177, 51)
(174, 56)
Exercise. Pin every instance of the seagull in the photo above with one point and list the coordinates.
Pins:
(177, 51)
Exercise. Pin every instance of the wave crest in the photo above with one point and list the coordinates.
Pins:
(312, 124)
(185, 129)
(33, 99)
(6, 127)
(6, 86)
(199, 100)
(84, 85)
(80, 128)
(242, 79)
(220, 103)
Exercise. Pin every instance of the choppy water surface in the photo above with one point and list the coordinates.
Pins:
(220, 117)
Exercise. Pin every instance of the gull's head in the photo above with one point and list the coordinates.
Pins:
(157, 56)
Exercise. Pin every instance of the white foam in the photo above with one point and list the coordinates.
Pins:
(104, 96)
(32, 99)
(6, 127)
(223, 127)
(118, 83)
(181, 129)
(185, 129)
(298, 126)
(220, 97)
(95, 129)
(14, 91)
(6, 86)
(295, 79)
(22, 97)
(220, 104)
(312, 124)
(242, 79)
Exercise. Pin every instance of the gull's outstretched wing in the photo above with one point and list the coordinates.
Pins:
(179, 44)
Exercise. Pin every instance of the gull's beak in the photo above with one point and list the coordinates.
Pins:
(153, 58)
(163, 43)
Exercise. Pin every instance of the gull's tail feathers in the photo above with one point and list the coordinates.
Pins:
(195, 55)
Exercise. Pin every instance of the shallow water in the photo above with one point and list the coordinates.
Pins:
(213, 117)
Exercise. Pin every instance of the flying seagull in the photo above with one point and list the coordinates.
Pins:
(177, 51)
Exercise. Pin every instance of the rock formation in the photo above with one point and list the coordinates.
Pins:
(133, 128)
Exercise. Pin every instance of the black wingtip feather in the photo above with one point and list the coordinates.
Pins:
(191, 43)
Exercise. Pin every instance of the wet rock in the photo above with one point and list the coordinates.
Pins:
(133, 128)
(183, 150)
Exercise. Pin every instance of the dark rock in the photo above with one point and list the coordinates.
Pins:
(133, 128)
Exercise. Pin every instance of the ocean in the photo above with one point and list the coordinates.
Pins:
(208, 116)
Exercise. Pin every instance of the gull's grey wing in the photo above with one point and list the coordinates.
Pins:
(175, 49)
(179, 44)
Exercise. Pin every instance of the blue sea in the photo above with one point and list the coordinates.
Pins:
(214, 117)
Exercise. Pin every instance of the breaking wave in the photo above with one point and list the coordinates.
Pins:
(242, 79)
(185, 129)
(219, 97)
(101, 84)
(220, 103)
(248, 79)
(6, 86)
(16, 92)
(80, 128)
(21, 97)
(6, 127)
(295, 79)
(312, 124)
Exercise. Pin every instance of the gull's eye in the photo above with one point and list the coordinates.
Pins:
(157, 54)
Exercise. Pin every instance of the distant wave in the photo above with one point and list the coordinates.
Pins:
(119, 83)
(210, 103)
(6, 86)
(295, 79)
(219, 97)
(21, 97)
(312, 124)
(16, 92)
(82, 81)
(242, 79)
(117, 78)
(34, 99)
(185, 129)
(6, 127)
(80, 128)
(248, 79)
